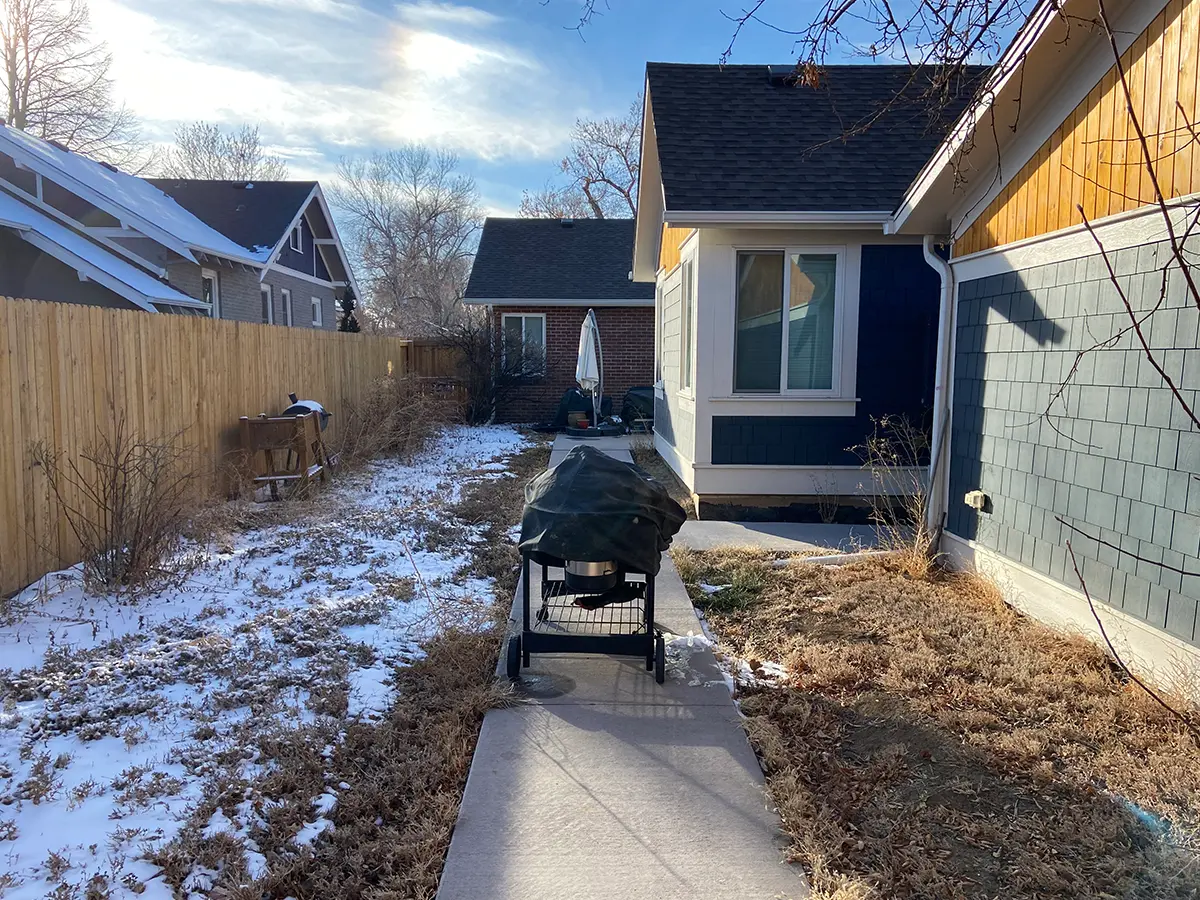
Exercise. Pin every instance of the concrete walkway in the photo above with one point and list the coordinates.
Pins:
(789, 536)
(607, 786)
(616, 447)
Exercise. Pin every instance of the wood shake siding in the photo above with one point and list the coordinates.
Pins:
(1094, 158)
(672, 240)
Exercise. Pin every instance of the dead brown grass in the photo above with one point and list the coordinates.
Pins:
(399, 416)
(932, 743)
(647, 458)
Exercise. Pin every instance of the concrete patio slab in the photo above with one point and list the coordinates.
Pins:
(616, 447)
(616, 802)
(793, 537)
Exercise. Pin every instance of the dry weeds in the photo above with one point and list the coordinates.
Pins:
(930, 742)
(398, 418)
(646, 458)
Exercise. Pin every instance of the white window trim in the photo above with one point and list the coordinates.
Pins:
(840, 303)
(285, 297)
(270, 296)
(318, 319)
(215, 310)
(687, 266)
(296, 239)
(523, 316)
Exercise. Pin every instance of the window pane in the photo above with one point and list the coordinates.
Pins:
(534, 338)
(758, 344)
(209, 288)
(810, 321)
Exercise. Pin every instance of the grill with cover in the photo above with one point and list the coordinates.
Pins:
(597, 527)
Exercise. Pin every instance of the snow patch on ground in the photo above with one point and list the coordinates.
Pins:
(115, 715)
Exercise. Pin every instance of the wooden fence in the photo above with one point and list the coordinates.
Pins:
(69, 373)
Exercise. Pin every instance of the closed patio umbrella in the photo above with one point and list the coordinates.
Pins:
(589, 371)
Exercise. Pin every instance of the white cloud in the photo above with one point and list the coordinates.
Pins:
(325, 77)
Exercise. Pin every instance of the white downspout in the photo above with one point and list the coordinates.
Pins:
(942, 388)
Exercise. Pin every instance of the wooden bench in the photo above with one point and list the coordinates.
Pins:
(298, 436)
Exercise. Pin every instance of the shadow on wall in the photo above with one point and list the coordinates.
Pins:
(1110, 453)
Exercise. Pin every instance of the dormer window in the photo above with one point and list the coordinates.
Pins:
(296, 240)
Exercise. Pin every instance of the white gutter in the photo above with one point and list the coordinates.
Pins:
(943, 378)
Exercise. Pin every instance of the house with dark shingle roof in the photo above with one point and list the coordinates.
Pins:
(289, 226)
(539, 277)
(78, 231)
(787, 317)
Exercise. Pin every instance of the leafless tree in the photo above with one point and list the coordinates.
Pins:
(600, 171)
(56, 81)
(413, 221)
(488, 371)
(202, 151)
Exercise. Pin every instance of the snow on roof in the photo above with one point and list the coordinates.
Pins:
(139, 286)
(128, 192)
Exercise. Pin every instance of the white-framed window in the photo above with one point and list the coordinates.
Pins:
(268, 306)
(523, 341)
(687, 329)
(788, 320)
(285, 299)
(317, 317)
(296, 239)
(210, 291)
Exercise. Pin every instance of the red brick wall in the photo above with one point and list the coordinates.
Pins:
(627, 338)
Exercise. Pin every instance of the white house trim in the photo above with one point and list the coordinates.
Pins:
(526, 301)
(44, 207)
(795, 481)
(1131, 228)
(292, 273)
(319, 196)
(1043, 66)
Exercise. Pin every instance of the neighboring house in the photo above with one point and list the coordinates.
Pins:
(78, 231)
(1113, 455)
(787, 318)
(539, 277)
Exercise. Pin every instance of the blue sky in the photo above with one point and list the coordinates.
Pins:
(500, 83)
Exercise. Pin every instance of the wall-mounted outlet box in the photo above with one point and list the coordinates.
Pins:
(977, 500)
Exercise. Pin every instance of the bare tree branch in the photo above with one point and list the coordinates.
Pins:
(202, 151)
(56, 81)
(601, 169)
(413, 221)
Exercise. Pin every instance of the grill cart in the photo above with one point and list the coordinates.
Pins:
(568, 621)
(597, 527)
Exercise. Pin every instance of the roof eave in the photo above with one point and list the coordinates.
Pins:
(552, 301)
(870, 219)
(647, 235)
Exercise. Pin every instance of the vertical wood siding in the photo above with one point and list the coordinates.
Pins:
(1093, 158)
(672, 240)
(69, 373)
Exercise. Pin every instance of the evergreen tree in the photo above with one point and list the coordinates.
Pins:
(347, 321)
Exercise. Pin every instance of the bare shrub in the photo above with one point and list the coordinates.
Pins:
(400, 415)
(895, 456)
(128, 501)
(827, 499)
(488, 371)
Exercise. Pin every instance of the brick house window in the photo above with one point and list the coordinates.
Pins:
(523, 338)
(286, 298)
(296, 239)
(317, 319)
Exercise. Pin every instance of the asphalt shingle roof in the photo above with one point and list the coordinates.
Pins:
(253, 217)
(730, 140)
(542, 259)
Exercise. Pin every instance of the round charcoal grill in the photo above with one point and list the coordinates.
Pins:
(304, 407)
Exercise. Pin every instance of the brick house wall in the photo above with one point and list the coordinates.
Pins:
(627, 339)
(1119, 458)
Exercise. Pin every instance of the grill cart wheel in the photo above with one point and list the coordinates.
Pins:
(513, 661)
(660, 659)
